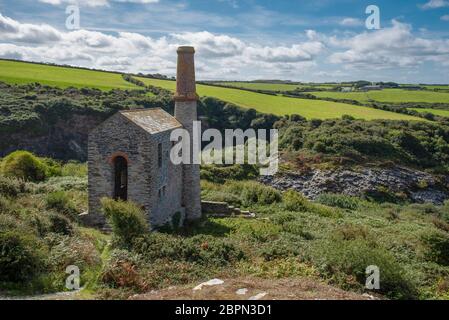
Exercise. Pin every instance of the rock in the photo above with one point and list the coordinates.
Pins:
(417, 186)
(258, 296)
(241, 292)
(213, 282)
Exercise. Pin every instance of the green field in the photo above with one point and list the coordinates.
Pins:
(388, 95)
(22, 73)
(271, 86)
(438, 112)
(283, 105)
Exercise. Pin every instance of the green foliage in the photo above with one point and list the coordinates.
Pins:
(127, 220)
(201, 249)
(61, 202)
(60, 224)
(11, 187)
(20, 256)
(24, 165)
(438, 247)
(342, 258)
(421, 144)
(339, 201)
(220, 174)
(294, 201)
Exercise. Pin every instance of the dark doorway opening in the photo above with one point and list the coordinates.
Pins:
(121, 179)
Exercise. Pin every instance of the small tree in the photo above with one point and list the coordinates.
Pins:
(126, 219)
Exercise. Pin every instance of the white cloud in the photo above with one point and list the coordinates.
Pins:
(351, 22)
(94, 3)
(435, 4)
(388, 48)
(219, 56)
(445, 17)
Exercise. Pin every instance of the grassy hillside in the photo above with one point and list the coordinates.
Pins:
(271, 86)
(284, 105)
(22, 72)
(389, 95)
(438, 112)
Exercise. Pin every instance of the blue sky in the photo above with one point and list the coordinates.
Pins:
(320, 40)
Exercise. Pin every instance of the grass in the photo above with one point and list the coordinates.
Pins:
(438, 112)
(310, 109)
(22, 73)
(389, 95)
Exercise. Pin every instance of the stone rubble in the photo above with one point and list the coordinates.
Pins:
(417, 186)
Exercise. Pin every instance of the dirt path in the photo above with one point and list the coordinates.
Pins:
(256, 289)
(72, 295)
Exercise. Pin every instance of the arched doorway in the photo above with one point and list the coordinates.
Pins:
(121, 178)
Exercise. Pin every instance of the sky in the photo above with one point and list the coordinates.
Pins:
(309, 41)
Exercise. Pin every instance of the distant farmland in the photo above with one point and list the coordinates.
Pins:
(388, 95)
(22, 73)
(283, 105)
(271, 86)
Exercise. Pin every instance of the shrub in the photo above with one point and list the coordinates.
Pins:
(339, 201)
(438, 247)
(204, 250)
(24, 165)
(294, 201)
(122, 270)
(127, 220)
(74, 169)
(255, 193)
(60, 224)
(280, 249)
(11, 187)
(60, 201)
(20, 256)
(341, 259)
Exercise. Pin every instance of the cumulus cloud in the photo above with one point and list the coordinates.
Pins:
(226, 56)
(94, 3)
(391, 47)
(435, 4)
(351, 22)
(445, 17)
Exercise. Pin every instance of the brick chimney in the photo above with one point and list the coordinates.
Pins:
(186, 113)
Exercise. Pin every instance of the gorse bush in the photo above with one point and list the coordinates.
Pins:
(294, 201)
(339, 201)
(23, 165)
(60, 224)
(127, 220)
(11, 187)
(340, 259)
(20, 256)
(437, 247)
(61, 202)
(201, 249)
(122, 270)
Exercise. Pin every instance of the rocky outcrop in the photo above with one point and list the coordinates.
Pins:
(416, 186)
(66, 139)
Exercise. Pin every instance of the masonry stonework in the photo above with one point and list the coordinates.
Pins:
(141, 139)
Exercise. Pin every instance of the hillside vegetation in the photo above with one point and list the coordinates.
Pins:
(62, 77)
(278, 105)
(331, 240)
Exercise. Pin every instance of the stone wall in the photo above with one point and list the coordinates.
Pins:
(118, 136)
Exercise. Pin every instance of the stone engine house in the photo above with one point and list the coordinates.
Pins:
(129, 157)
